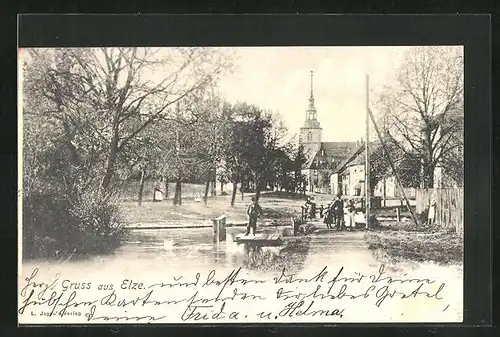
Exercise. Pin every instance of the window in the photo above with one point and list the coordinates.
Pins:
(309, 136)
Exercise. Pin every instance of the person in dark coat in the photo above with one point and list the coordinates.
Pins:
(253, 213)
(329, 215)
(338, 211)
(312, 208)
(307, 207)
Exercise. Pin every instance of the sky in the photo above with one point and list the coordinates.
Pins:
(278, 78)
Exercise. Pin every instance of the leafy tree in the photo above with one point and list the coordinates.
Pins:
(237, 155)
(299, 160)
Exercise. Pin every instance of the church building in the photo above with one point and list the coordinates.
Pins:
(322, 157)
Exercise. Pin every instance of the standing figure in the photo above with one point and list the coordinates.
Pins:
(338, 211)
(351, 211)
(307, 207)
(432, 212)
(329, 215)
(312, 209)
(253, 213)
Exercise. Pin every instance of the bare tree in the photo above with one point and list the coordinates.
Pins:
(117, 92)
(423, 110)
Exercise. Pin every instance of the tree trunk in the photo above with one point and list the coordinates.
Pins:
(110, 169)
(212, 188)
(427, 175)
(109, 172)
(233, 196)
(221, 188)
(141, 187)
(165, 196)
(258, 187)
(384, 194)
(178, 192)
(207, 187)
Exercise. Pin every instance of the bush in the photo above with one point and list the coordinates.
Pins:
(54, 226)
(291, 257)
(278, 213)
(65, 213)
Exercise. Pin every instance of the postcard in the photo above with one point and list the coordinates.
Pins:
(214, 185)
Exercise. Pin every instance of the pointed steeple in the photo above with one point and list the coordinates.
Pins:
(311, 111)
(310, 133)
(312, 96)
(311, 99)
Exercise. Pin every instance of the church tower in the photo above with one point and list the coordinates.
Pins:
(310, 133)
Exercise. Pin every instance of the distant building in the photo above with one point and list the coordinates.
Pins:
(349, 177)
(322, 157)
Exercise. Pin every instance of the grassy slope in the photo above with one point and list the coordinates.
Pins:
(275, 206)
(403, 242)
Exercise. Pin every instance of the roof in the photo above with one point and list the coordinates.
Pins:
(359, 184)
(311, 155)
(336, 151)
(357, 156)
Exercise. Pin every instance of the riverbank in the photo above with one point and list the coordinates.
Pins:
(403, 243)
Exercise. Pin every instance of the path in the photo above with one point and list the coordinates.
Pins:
(329, 247)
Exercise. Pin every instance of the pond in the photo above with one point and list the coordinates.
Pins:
(186, 248)
(164, 250)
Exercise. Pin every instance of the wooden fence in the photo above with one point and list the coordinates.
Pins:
(449, 210)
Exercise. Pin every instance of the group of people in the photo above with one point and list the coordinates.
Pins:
(334, 214)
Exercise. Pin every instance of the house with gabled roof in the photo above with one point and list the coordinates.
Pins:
(348, 177)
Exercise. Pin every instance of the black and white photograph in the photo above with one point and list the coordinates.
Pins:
(206, 185)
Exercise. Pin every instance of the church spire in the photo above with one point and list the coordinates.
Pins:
(311, 99)
(311, 111)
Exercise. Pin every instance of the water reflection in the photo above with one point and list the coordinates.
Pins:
(192, 248)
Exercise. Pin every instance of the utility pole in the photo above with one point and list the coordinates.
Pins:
(393, 167)
(178, 186)
(367, 155)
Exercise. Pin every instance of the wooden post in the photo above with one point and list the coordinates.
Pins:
(385, 192)
(219, 227)
(166, 194)
(141, 187)
(398, 214)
